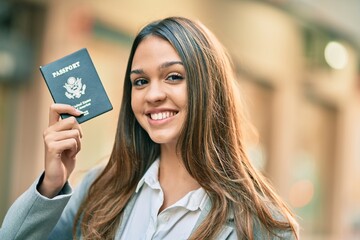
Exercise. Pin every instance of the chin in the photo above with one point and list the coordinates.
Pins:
(159, 140)
(162, 139)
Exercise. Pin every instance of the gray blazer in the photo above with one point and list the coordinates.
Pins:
(33, 216)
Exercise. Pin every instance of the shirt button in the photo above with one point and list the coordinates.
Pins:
(166, 217)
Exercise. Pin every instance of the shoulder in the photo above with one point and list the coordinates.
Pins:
(286, 234)
(81, 189)
(66, 222)
(92, 174)
(260, 232)
(229, 231)
(88, 179)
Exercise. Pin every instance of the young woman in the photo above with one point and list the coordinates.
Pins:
(178, 168)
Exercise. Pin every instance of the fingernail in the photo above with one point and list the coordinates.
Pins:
(79, 112)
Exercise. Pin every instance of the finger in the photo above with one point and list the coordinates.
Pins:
(69, 154)
(56, 109)
(74, 134)
(63, 135)
(65, 124)
(57, 148)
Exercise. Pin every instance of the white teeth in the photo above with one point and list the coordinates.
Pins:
(160, 116)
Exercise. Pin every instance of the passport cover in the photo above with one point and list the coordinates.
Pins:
(74, 80)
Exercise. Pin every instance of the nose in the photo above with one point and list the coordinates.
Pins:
(155, 92)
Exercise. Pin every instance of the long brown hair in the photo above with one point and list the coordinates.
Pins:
(211, 145)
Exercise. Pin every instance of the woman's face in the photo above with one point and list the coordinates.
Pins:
(159, 95)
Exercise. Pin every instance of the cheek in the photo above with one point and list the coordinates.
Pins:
(135, 104)
(137, 108)
(182, 97)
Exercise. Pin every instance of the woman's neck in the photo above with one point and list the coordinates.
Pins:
(174, 179)
(171, 161)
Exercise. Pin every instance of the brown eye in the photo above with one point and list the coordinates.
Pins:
(140, 82)
(174, 77)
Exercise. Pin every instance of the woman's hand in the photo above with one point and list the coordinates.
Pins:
(62, 143)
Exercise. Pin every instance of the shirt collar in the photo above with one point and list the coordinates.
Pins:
(150, 177)
(192, 201)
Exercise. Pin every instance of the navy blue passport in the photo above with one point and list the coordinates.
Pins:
(74, 80)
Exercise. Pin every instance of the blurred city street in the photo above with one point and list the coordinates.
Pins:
(298, 68)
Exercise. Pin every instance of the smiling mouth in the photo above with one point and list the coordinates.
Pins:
(162, 115)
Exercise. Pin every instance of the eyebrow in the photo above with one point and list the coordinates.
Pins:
(168, 64)
(137, 71)
(164, 65)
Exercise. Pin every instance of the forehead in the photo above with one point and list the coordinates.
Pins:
(154, 50)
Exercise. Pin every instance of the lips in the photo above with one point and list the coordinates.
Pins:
(162, 115)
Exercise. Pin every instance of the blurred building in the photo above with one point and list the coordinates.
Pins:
(298, 69)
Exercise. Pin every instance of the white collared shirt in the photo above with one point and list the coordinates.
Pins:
(175, 222)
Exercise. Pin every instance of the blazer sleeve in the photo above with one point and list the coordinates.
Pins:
(33, 216)
(64, 227)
